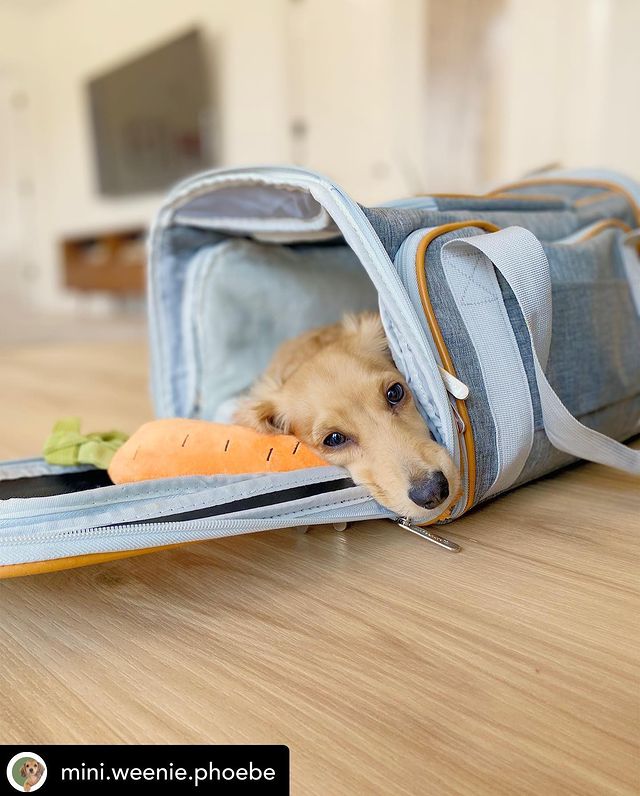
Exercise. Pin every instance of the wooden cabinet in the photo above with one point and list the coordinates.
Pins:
(112, 262)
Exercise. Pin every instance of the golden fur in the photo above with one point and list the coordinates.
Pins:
(335, 379)
(33, 772)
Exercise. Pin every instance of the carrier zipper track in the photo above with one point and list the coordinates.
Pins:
(414, 268)
(207, 529)
(466, 435)
(262, 499)
(610, 187)
(592, 230)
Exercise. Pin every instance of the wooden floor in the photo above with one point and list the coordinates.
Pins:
(389, 666)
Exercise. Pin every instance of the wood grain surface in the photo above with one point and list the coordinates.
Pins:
(388, 666)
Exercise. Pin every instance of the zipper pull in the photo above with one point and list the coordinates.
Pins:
(405, 523)
(454, 386)
(459, 421)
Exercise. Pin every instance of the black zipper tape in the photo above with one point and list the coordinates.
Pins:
(54, 484)
(253, 502)
(68, 483)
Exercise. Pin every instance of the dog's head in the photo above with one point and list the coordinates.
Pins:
(32, 770)
(339, 391)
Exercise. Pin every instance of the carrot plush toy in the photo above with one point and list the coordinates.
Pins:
(177, 446)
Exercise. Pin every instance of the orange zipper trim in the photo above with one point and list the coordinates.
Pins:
(421, 274)
(529, 197)
(596, 197)
(600, 226)
(606, 186)
(73, 562)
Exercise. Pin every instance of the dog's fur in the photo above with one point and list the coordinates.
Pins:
(33, 772)
(335, 379)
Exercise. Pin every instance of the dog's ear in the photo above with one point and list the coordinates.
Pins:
(367, 331)
(23, 770)
(260, 412)
(256, 414)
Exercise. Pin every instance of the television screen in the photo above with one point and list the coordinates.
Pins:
(151, 119)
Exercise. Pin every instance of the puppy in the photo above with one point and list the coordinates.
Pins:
(33, 772)
(337, 389)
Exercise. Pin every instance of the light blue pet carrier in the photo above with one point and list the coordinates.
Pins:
(528, 296)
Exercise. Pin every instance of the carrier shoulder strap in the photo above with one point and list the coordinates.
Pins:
(518, 255)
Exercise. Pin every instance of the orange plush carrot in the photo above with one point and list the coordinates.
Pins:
(176, 446)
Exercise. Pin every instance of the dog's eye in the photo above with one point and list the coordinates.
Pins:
(395, 394)
(334, 439)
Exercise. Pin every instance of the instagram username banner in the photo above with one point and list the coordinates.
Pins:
(121, 769)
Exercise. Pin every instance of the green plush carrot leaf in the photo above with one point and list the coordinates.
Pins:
(67, 446)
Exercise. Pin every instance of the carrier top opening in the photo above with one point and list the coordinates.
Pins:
(257, 208)
(273, 205)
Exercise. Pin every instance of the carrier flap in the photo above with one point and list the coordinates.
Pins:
(269, 206)
(57, 527)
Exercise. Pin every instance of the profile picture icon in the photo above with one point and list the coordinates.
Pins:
(26, 772)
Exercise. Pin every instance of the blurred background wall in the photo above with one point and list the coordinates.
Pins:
(388, 97)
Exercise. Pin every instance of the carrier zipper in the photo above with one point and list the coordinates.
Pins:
(240, 526)
(434, 538)
(459, 409)
(52, 508)
(592, 230)
(611, 187)
(455, 387)
(459, 421)
(234, 526)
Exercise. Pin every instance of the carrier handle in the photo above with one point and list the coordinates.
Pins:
(518, 255)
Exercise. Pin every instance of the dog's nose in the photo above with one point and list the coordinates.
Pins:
(429, 491)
